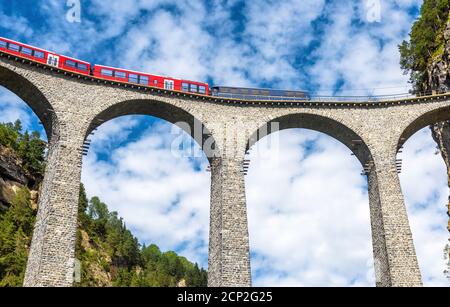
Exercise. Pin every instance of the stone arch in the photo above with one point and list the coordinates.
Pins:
(33, 97)
(159, 109)
(429, 118)
(168, 112)
(424, 120)
(360, 148)
(319, 123)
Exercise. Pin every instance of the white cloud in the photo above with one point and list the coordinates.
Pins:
(20, 24)
(308, 214)
(363, 58)
(424, 183)
(13, 108)
(161, 196)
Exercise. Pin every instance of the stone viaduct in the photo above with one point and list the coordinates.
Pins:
(71, 107)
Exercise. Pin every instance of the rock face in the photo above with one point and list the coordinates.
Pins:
(439, 80)
(441, 134)
(439, 69)
(13, 177)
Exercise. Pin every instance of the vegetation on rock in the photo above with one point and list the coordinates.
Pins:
(111, 256)
(28, 147)
(426, 59)
(108, 252)
(426, 42)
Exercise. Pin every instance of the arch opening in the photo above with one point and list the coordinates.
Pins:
(33, 97)
(317, 123)
(153, 174)
(23, 155)
(169, 113)
(424, 180)
(303, 188)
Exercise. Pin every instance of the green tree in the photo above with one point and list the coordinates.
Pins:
(30, 148)
(151, 254)
(8, 136)
(99, 214)
(16, 226)
(426, 41)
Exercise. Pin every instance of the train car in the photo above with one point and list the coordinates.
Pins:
(139, 78)
(258, 94)
(145, 79)
(44, 56)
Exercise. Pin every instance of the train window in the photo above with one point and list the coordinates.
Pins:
(255, 92)
(120, 75)
(185, 87)
(82, 66)
(13, 47)
(107, 72)
(143, 80)
(26, 51)
(225, 90)
(71, 63)
(38, 54)
(132, 78)
(234, 91)
(3, 44)
(155, 82)
(202, 89)
(265, 93)
(194, 88)
(244, 91)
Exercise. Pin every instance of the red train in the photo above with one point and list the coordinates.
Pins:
(44, 56)
(144, 79)
(100, 71)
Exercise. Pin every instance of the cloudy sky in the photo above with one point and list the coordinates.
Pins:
(308, 205)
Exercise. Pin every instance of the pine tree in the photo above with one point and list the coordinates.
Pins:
(16, 226)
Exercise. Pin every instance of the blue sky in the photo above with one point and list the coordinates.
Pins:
(301, 184)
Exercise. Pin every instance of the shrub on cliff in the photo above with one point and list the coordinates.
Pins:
(426, 39)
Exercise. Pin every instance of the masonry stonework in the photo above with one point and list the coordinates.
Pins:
(70, 107)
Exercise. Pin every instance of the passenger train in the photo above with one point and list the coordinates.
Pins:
(66, 63)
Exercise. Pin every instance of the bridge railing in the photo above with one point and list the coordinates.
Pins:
(321, 98)
(362, 99)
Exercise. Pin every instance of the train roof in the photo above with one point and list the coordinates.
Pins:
(131, 71)
(44, 50)
(26, 45)
(145, 73)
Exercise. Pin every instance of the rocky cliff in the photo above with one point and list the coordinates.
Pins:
(439, 81)
(13, 178)
(439, 69)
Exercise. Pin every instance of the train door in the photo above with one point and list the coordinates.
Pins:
(53, 60)
(169, 84)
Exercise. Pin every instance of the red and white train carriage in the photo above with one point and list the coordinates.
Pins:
(145, 79)
(44, 56)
